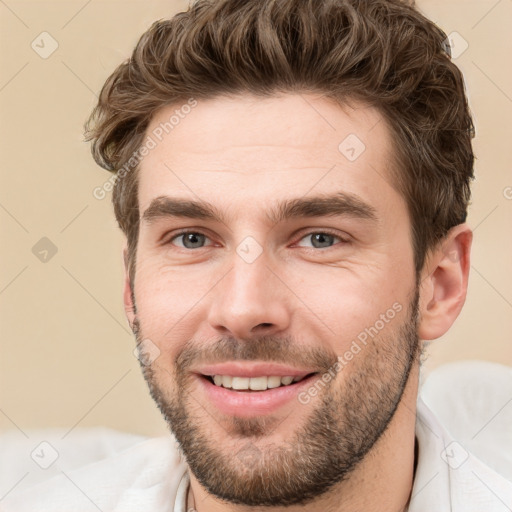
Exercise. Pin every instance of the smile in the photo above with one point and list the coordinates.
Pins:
(261, 383)
(256, 396)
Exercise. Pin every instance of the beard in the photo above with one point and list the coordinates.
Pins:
(347, 420)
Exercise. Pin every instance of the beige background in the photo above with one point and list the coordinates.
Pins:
(66, 350)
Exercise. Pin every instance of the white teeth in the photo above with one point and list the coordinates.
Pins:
(240, 382)
(254, 383)
(258, 383)
(273, 382)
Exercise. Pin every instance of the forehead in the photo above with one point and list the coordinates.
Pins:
(247, 152)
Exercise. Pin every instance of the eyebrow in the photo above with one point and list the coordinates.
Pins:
(340, 204)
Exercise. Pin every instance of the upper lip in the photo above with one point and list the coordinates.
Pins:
(244, 369)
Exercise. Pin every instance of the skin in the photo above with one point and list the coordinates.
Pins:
(243, 155)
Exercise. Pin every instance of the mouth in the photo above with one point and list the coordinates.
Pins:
(253, 390)
(255, 384)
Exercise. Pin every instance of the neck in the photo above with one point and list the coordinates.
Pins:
(381, 482)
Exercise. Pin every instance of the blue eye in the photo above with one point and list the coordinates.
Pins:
(196, 240)
(190, 240)
(320, 240)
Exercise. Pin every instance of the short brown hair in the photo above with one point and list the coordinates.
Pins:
(384, 53)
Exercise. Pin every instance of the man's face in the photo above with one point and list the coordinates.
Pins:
(296, 262)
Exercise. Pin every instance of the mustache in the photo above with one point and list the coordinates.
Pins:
(266, 348)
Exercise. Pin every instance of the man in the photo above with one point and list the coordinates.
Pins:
(292, 180)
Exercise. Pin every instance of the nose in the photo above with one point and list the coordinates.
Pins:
(250, 300)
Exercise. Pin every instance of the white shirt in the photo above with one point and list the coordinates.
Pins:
(150, 475)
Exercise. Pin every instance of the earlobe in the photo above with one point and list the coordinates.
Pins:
(127, 291)
(444, 283)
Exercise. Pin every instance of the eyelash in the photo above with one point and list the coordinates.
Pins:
(323, 232)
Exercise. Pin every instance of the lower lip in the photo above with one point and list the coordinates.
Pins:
(248, 404)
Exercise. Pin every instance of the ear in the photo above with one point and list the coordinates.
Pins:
(129, 307)
(444, 283)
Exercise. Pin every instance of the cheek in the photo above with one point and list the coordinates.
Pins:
(169, 302)
(332, 305)
(354, 316)
(343, 305)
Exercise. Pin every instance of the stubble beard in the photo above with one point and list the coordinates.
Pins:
(348, 419)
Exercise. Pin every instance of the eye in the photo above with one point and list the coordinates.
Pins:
(189, 240)
(320, 240)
